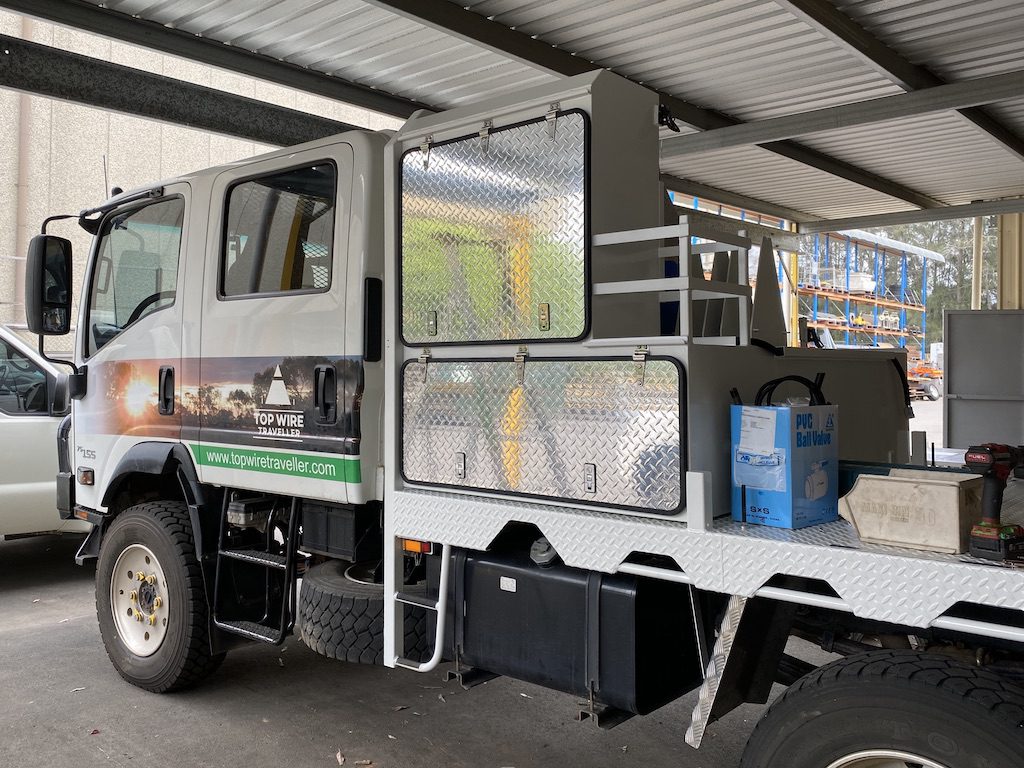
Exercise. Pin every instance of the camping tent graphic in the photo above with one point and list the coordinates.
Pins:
(278, 394)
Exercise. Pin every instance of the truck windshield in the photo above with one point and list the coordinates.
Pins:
(136, 268)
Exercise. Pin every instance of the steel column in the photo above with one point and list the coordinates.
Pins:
(874, 309)
(815, 281)
(924, 302)
(848, 318)
(903, 297)
(976, 264)
(1011, 261)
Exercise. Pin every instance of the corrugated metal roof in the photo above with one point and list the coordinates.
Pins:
(750, 59)
(351, 40)
(942, 155)
(956, 39)
(757, 173)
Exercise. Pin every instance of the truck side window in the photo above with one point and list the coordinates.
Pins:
(22, 383)
(279, 233)
(136, 269)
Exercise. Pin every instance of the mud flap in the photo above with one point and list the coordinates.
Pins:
(751, 641)
(90, 548)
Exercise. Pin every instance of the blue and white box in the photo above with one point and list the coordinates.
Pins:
(785, 463)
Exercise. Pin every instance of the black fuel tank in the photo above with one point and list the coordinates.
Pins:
(632, 639)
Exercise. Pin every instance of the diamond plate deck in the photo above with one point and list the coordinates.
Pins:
(903, 586)
(542, 437)
(491, 230)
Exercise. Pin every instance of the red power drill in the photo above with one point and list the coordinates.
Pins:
(989, 538)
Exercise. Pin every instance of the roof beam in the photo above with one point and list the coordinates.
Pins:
(46, 71)
(452, 19)
(969, 210)
(438, 14)
(837, 26)
(725, 197)
(938, 98)
(150, 34)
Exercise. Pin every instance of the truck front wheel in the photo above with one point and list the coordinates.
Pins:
(892, 709)
(150, 600)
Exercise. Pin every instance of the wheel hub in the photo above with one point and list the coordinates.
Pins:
(138, 600)
(884, 758)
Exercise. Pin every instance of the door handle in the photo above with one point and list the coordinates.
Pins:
(325, 394)
(165, 390)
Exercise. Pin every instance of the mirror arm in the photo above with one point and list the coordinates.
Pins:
(56, 360)
(56, 218)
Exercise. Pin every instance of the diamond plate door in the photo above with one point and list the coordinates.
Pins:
(592, 431)
(493, 235)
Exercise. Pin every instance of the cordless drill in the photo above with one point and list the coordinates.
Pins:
(989, 538)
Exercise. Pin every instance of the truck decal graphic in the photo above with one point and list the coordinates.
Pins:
(343, 470)
(251, 401)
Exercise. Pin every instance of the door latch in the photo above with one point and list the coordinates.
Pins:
(165, 390)
(325, 394)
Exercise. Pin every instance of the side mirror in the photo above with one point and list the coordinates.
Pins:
(48, 285)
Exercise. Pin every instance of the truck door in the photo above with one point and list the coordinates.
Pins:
(130, 336)
(275, 397)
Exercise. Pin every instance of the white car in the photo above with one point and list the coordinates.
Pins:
(28, 442)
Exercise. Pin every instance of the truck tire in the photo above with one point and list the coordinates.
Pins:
(344, 619)
(150, 599)
(892, 708)
(931, 391)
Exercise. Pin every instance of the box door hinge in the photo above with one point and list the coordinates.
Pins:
(423, 359)
(485, 135)
(552, 118)
(640, 355)
(520, 360)
(425, 149)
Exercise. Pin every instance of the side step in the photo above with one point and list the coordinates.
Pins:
(279, 598)
(256, 557)
(252, 630)
(395, 601)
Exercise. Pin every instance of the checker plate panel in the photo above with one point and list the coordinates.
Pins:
(494, 236)
(584, 430)
(890, 584)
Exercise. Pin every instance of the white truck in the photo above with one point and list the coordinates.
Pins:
(470, 384)
(32, 407)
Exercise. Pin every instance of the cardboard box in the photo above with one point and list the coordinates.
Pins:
(785, 463)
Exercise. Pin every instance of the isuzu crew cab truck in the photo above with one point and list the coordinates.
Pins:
(471, 383)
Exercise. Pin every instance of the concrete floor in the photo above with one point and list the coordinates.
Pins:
(63, 704)
(928, 419)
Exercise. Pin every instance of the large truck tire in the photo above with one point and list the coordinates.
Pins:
(150, 599)
(892, 708)
(344, 619)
